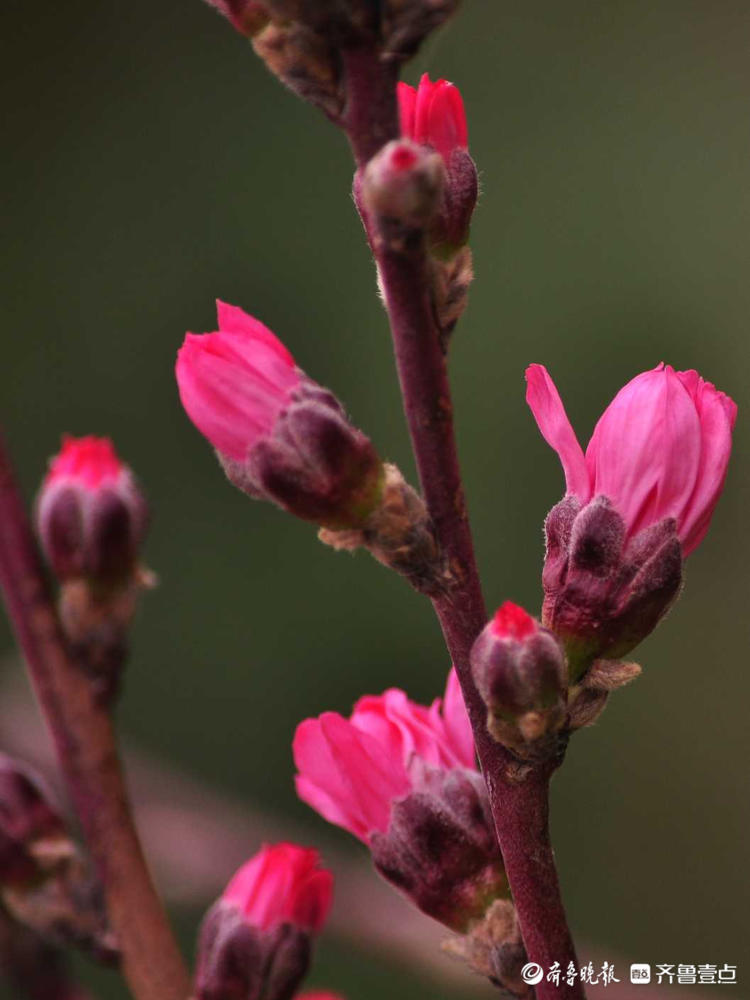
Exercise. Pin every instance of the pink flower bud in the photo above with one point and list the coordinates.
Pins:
(403, 778)
(91, 515)
(519, 670)
(433, 115)
(282, 884)
(639, 501)
(278, 434)
(660, 449)
(255, 942)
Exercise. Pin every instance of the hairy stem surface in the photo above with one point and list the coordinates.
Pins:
(84, 737)
(519, 804)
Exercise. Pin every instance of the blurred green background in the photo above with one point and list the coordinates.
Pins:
(152, 164)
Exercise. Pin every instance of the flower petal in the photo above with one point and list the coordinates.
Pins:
(232, 319)
(552, 420)
(717, 414)
(645, 450)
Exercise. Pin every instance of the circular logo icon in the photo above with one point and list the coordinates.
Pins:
(532, 973)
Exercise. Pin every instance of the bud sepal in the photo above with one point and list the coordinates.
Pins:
(440, 849)
(604, 594)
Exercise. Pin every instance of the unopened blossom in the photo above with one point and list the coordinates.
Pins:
(255, 942)
(282, 884)
(660, 449)
(519, 670)
(638, 501)
(432, 115)
(90, 512)
(403, 778)
(279, 435)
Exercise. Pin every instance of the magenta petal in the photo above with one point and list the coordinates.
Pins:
(552, 420)
(407, 100)
(320, 783)
(349, 768)
(717, 414)
(233, 388)
(282, 883)
(446, 119)
(645, 449)
(228, 405)
(232, 319)
(373, 780)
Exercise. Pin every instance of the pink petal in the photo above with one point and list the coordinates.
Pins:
(552, 420)
(717, 414)
(446, 119)
(89, 461)
(403, 727)
(232, 388)
(282, 883)
(407, 100)
(232, 319)
(645, 450)
(348, 766)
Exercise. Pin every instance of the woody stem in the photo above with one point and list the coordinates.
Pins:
(519, 805)
(84, 737)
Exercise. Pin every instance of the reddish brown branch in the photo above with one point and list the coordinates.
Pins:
(520, 808)
(84, 737)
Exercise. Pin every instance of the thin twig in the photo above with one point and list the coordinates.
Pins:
(84, 738)
(520, 808)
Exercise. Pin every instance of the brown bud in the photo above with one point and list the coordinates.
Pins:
(407, 23)
(304, 62)
(399, 534)
(608, 675)
(494, 948)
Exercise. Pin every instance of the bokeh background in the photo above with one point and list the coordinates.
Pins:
(151, 164)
